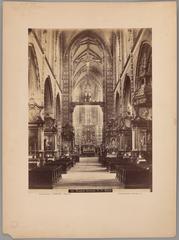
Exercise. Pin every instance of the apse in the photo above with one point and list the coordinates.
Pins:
(88, 125)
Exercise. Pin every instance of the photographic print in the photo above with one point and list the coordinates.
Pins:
(89, 119)
(90, 109)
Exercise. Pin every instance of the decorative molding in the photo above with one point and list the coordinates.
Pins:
(35, 111)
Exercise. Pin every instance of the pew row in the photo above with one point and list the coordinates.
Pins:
(132, 170)
(135, 176)
(44, 177)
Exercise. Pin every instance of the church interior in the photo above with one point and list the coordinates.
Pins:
(90, 108)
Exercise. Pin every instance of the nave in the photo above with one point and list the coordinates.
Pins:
(90, 108)
(91, 173)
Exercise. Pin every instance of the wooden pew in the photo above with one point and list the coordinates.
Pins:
(65, 162)
(102, 158)
(114, 161)
(135, 175)
(44, 177)
(75, 158)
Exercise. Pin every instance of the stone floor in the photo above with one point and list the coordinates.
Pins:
(88, 173)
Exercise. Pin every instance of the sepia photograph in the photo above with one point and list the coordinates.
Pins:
(90, 109)
(89, 119)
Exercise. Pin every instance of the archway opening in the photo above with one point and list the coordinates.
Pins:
(33, 75)
(50, 130)
(58, 110)
(87, 68)
(34, 139)
(127, 96)
(48, 98)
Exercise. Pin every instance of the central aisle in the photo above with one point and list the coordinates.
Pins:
(88, 173)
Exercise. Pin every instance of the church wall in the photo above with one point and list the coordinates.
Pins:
(46, 60)
(120, 51)
(145, 36)
(129, 70)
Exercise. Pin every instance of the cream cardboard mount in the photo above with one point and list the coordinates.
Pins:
(50, 213)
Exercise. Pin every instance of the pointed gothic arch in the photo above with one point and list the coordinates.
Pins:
(92, 35)
(127, 95)
(33, 73)
(48, 98)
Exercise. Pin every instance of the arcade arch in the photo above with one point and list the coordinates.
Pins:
(48, 98)
(127, 96)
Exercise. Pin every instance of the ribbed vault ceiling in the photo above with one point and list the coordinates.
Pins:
(87, 61)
